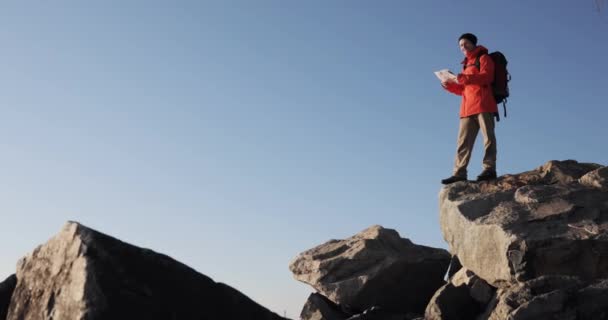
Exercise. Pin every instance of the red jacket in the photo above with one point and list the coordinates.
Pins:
(474, 85)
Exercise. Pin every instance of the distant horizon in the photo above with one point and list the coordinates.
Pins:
(234, 136)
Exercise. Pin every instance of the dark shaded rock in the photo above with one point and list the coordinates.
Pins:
(83, 274)
(374, 268)
(452, 303)
(6, 291)
(454, 266)
(479, 289)
(318, 307)
(592, 301)
(463, 298)
(551, 297)
(520, 227)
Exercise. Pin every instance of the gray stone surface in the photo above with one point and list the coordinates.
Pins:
(83, 274)
(523, 226)
(375, 267)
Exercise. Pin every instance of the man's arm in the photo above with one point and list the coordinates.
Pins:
(453, 87)
(485, 75)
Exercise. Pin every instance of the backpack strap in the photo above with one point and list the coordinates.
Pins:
(504, 108)
(476, 63)
(504, 102)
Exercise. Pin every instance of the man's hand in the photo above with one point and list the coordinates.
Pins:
(446, 84)
(461, 78)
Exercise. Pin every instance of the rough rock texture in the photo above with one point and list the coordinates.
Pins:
(596, 179)
(548, 221)
(551, 297)
(83, 274)
(376, 267)
(464, 297)
(318, 307)
(6, 291)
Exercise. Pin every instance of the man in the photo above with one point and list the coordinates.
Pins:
(476, 110)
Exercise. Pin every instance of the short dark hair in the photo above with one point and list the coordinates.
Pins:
(469, 36)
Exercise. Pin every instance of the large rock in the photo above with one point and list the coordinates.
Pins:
(6, 291)
(548, 221)
(375, 267)
(550, 297)
(83, 274)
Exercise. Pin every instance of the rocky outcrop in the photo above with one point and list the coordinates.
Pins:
(374, 268)
(6, 291)
(549, 221)
(539, 238)
(525, 246)
(83, 274)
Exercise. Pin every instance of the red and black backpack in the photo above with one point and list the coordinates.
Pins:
(500, 85)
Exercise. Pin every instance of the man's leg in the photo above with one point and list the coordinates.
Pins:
(486, 124)
(469, 127)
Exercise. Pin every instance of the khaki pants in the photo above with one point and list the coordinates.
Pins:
(469, 127)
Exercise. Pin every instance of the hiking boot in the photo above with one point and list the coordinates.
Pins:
(453, 179)
(486, 175)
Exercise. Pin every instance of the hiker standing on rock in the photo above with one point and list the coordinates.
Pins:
(477, 109)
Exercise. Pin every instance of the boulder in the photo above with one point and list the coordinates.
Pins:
(84, 274)
(6, 291)
(375, 267)
(548, 221)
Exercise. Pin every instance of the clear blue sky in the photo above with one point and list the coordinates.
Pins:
(232, 135)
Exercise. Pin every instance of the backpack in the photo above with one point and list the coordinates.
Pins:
(500, 85)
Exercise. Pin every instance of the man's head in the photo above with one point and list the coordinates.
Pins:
(467, 42)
